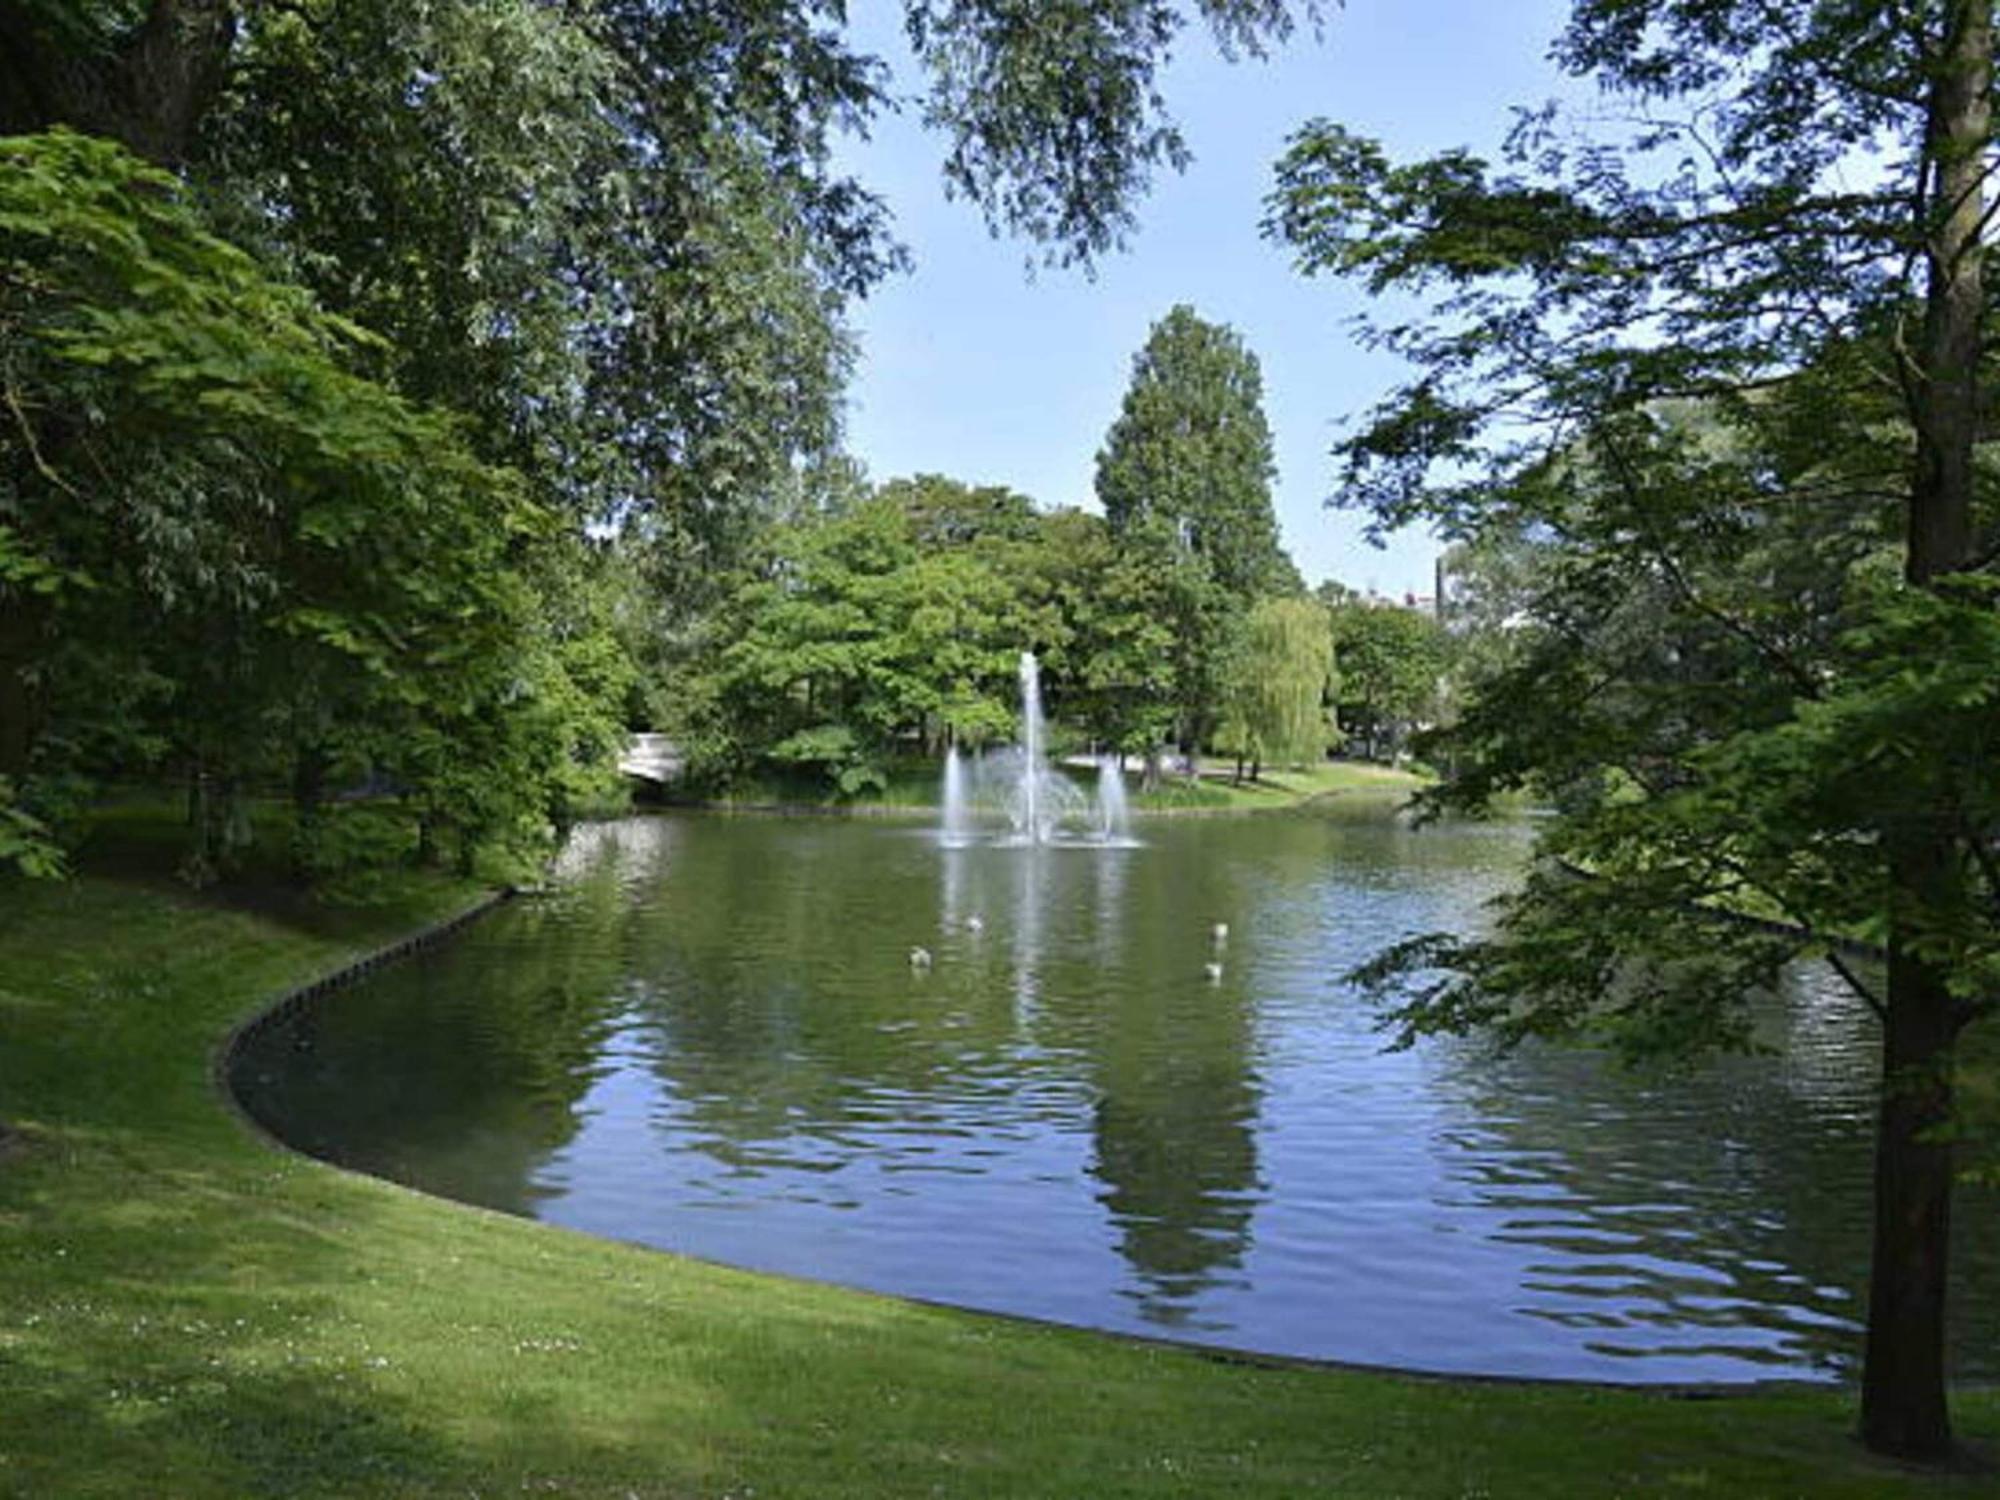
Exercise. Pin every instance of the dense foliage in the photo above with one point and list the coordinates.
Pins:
(895, 625)
(1392, 663)
(407, 437)
(1275, 700)
(1727, 376)
(1185, 481)
(226, 548)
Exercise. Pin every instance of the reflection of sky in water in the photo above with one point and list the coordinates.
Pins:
(712, 1040)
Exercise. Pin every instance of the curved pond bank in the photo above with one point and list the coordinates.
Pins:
(711, 1039)
(187, 1312)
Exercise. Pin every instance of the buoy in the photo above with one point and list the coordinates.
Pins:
(973, 924)
(1219, 933)
(920, 958)
(1213, 971)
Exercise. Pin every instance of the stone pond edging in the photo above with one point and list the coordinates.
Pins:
(293, 1000)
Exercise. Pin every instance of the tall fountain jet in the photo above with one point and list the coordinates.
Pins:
(1034, 771)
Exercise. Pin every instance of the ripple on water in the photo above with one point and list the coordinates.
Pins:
(710, 1039)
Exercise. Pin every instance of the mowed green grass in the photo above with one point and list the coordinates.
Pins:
(187, 1311)
(913, 789)
(1278, 788)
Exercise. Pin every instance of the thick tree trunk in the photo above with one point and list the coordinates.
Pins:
(148, 90)
(308, 806)
(1903, 1402)
(19, 637)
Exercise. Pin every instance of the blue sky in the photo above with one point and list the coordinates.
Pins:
(973, 368)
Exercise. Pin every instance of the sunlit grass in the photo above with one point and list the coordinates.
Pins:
(186, 1311)
(1277, 787)
(914, 786)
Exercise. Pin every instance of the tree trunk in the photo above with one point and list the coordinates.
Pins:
(1904, 1410)
(1903, 1400)
(149, 89)
(308, 805)
(19, 636)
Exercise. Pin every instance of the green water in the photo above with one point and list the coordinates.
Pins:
(712, 1039)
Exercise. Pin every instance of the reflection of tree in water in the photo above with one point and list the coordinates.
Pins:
(463, 1066)
(793, 1034)
(1726, 1206)
(790, 1027)
(1175, 1121)
(1179, 1162)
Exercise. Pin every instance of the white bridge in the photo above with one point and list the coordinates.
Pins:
(654, 758)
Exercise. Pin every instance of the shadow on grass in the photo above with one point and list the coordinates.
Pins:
(143, 1335)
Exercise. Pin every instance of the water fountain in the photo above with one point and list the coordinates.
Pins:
(1017, 786)
(1114, 818)
(957, 802)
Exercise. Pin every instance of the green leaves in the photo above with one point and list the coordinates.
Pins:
(1052, 111)
(287, 560)
(27, 844)
(1388, 664)
(1185, 481)
(1275, 696)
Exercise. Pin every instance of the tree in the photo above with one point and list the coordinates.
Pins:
(1111, 666)
(1053, 121)
(1185, 481)
(856, 638)
(1275, 705)
(609, 237)
(226, 548)
(1390, 662)
(1810, 739)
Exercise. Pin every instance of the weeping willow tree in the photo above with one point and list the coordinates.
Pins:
(1274, 705)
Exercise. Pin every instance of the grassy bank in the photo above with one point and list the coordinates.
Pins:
(186, 1311)
(1217, 789)
(912, 788)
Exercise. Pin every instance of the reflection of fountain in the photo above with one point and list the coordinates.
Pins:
(1038, 803)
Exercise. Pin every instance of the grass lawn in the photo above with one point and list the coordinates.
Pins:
(913, 789)
(187, 1311)
(1277, 788)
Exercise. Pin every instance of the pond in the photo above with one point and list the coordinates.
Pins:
(711, 1038)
